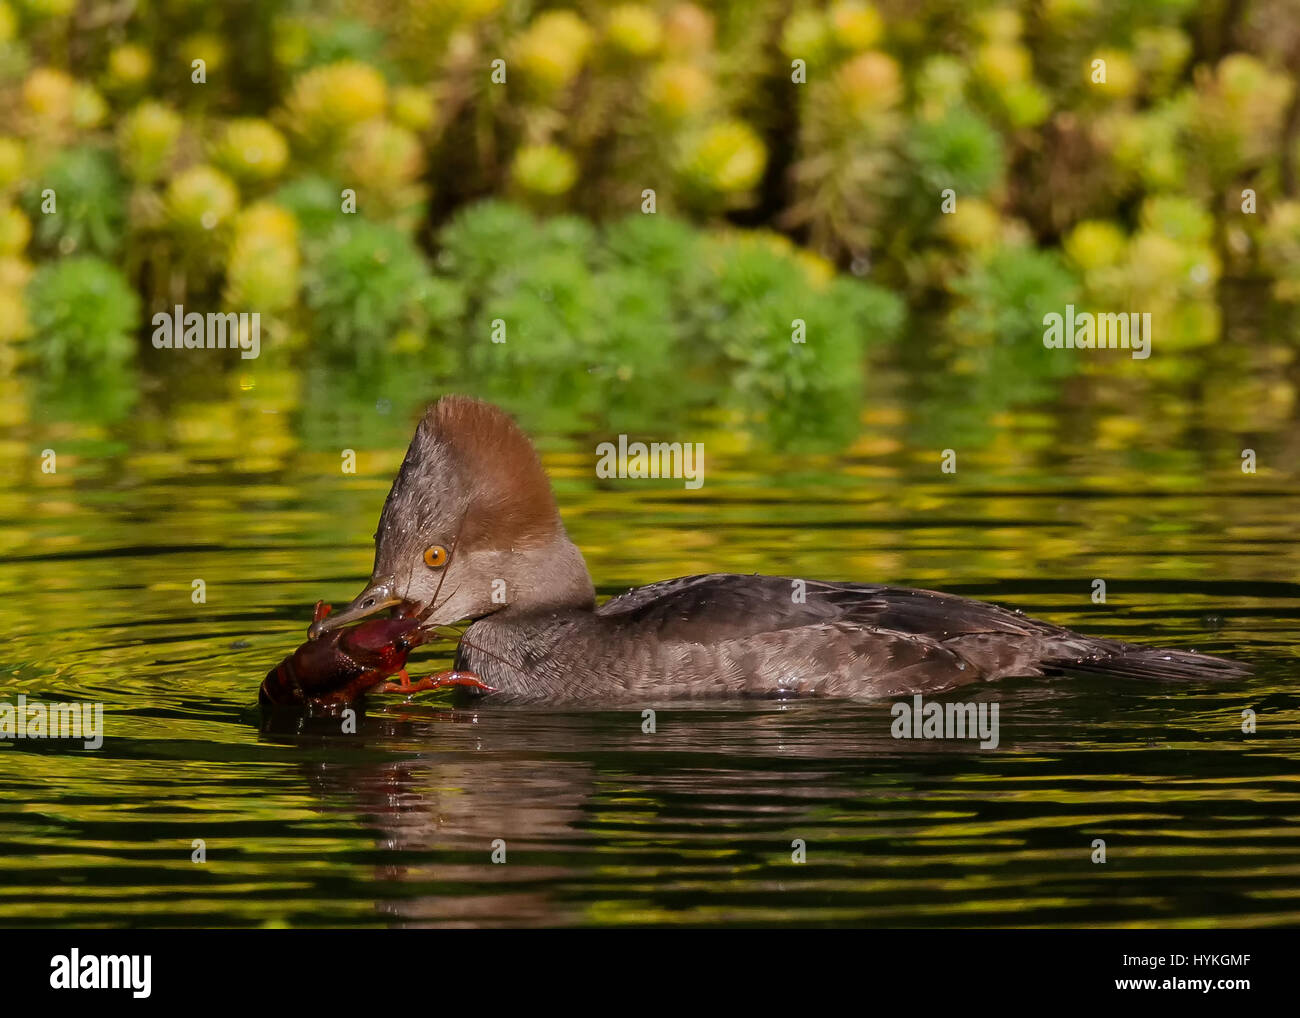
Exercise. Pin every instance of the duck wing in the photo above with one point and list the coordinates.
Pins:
(775, 635)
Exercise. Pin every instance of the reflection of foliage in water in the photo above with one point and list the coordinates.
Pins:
(367, 407)
(103, 395)
(986, 354)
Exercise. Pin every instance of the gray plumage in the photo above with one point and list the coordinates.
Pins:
(745, 635)
(471, 485)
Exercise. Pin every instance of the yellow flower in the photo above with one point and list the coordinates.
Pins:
(726, 157)
(1157, 263)
(88, 107)
(1280, 249)
(552, 50)
(856, 26)
(1120, 73)
(869, 83)
(263, 266)
(544, 169)
(11, 161)
(974, 225)
(48, 92)
(679, 90)
(413, 107)
(634, 29)
(380, 154)
(1002, 64)
(146, 139)
(206, 47)
(329, 99)
(1001, 25)
(251, 150)
(15, 272)
(13, 315)
(1094, 244)
(267, 221)
(819, 271)
(806, 36)
(201, 199)
(688, 30)
(15, 231)
(129, 66)
(59, 100)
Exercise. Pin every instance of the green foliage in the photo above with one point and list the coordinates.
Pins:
(316, 203)
(667, 248)
(370, 284)
(1178, 218)
(90, 204)
(624, 326)
(84, 315)
(485, 239)
(580, 329)
(332, 39)
(758, 300)
(959, 150)
(1006, 295)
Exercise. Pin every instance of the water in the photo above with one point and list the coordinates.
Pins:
(601, 823)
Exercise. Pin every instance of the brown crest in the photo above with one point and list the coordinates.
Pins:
(509, 503)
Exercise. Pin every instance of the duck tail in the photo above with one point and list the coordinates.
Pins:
(1128, 660)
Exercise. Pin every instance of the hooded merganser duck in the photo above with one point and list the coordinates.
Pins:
(470, 531)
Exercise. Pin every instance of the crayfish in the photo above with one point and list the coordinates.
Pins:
(345, 663)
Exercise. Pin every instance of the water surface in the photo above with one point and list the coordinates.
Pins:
(601, 822)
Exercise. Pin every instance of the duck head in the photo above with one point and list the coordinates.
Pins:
(470, 527)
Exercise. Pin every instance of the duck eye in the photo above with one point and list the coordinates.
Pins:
(435, 556)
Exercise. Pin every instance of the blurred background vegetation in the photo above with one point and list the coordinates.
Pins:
(523, 202)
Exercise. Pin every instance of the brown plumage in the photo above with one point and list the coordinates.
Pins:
(513, 504)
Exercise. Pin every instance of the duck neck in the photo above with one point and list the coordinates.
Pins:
(553, 577)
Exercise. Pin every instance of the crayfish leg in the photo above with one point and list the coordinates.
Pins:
(402, 685)
(441, 680)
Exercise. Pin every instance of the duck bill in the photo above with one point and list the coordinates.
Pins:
(371, 601)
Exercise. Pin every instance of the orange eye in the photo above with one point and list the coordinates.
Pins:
(435, 556)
